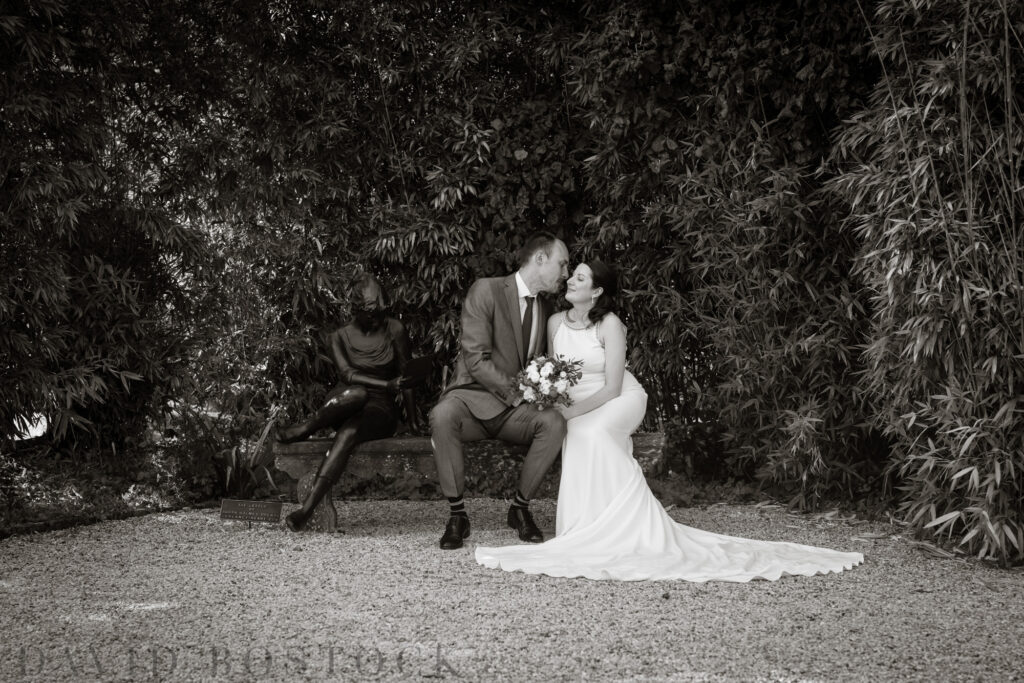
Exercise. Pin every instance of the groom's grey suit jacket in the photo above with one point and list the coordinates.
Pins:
(491, 350)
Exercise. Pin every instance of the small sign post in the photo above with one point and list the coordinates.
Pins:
(251, 510)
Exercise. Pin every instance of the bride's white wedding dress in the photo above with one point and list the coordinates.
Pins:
(608, 523)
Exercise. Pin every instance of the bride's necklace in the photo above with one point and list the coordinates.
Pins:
(576, 324)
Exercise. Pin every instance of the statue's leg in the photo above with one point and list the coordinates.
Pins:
(333, 413)
(347, 407)
(331, 469)
(371, 421)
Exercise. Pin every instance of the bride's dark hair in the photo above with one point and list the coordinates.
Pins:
(603, 276)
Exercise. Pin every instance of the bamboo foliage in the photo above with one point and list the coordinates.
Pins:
(707, 132)
(932, 174)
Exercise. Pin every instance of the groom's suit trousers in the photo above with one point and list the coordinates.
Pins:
(452, 424)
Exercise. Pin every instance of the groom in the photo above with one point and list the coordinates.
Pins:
(504, 324)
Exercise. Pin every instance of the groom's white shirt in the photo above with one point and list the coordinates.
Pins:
(524, 292)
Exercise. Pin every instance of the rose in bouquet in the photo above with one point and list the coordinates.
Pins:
(545, 381)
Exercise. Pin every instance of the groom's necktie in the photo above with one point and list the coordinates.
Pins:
(527, 328)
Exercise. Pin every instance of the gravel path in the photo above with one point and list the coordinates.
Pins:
(187, 596)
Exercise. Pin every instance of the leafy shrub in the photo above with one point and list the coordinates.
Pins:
(931, 172)
(203, 452)
(18, 486)
(695, 449)
(708, 126)
(94, 265)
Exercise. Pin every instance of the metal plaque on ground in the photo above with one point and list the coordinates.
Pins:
(250, 510)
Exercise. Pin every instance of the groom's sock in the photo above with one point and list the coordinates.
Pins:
(457, 506)
(521, 501)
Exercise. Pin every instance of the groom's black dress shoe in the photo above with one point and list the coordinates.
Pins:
(521, 520)
(455, 531)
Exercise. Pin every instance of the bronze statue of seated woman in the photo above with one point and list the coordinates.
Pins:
(371, 353)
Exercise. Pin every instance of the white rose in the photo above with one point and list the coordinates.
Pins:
(547, 369)
(529, 394)
(545, 386)
(532, 373)
(563, 375)
(561, 385)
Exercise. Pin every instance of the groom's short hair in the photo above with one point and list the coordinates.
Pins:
(538, 241)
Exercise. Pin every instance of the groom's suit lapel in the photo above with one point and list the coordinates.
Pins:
(512, 313)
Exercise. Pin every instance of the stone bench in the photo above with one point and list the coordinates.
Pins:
(403, 466)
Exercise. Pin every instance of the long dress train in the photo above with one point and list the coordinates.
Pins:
(608, 523)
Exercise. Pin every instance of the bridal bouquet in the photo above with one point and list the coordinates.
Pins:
(545, 381)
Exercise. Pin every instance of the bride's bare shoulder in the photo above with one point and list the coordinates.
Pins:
(611, 318)
(611, 323)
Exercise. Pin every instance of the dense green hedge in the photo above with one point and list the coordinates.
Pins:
(816, 212)
(95, 261)
(931, 173)
(711, 129)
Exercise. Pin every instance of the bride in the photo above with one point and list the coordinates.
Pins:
(608, 524)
